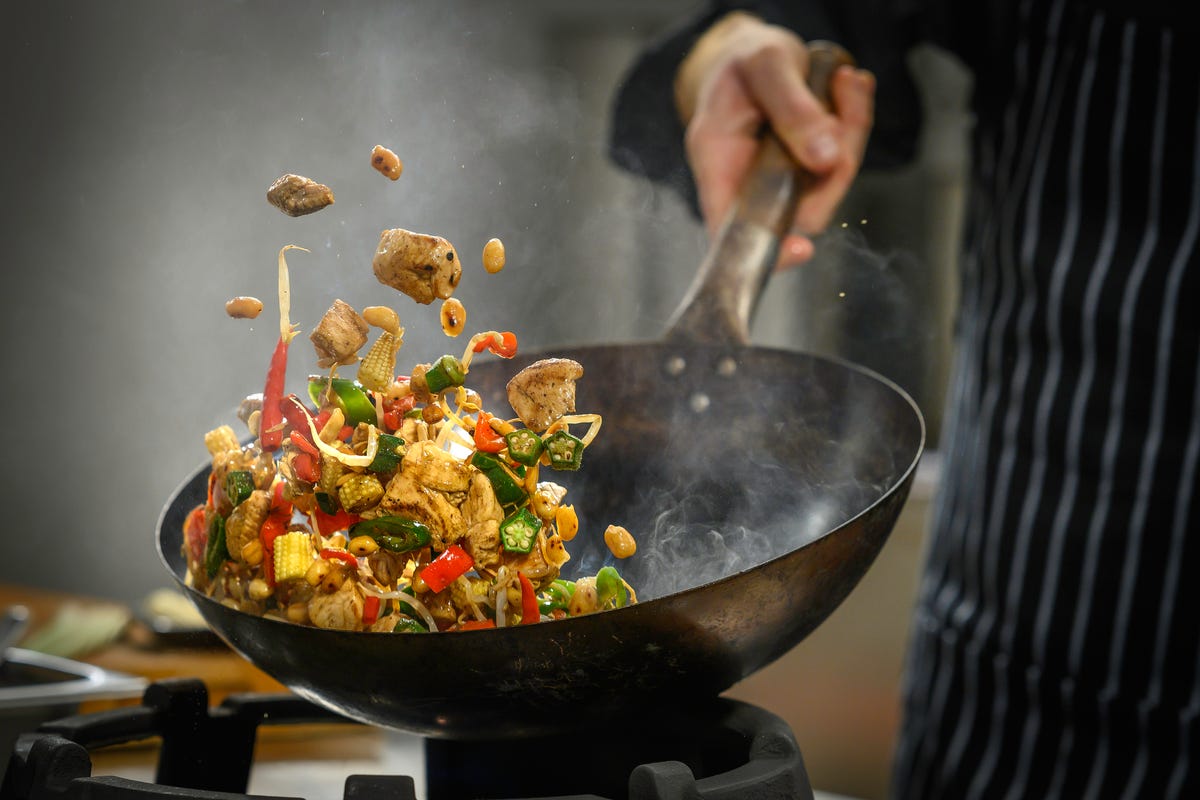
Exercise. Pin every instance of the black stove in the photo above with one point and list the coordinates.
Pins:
(718, 750)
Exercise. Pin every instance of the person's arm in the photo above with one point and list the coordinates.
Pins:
(725, 74)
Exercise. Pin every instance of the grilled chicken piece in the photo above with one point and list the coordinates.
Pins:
(544, 391)
(424, 267)
(407, 497)
(296, 195)
(339, 335)
(340, 611)
(482, 516)
(433, 467)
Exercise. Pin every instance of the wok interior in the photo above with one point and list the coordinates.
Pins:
(719, 459)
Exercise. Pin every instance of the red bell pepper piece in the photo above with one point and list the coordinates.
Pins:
(506, 349)
(529, 602)
(329, 554)
(394, 411)
(275, 525)
(486, 438)
(278, 504)
(476, 624)
(270, 424)
(304, 443)
(195, 535)
(306, 468)
(332, 523)
(446, 568)
(370, 609)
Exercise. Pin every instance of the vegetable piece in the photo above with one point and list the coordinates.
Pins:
(349, 396)
(524, 446)
(506, 347)
(221, 439)
(215, 552)
(519, 531)
(272, 529)
(409, 625)
(370, 609)
(557, 596)
(239, 484)
(332, 523)
(195, 537)
(476, 624)
(271, 424)
(565, 450)
(391, 451)
(447, 371)
(326, 502)
(306, 467)
(530, 613)
(446, 568)
(493, 256)
(330, 554)
(394, 533)
(358, 492)
(610, 589)
(293, 555)
(486, 438)
(377, 371)
(507, 490)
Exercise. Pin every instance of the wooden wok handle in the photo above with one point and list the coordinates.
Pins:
(720, 303)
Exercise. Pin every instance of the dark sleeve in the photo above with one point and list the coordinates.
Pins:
(646, 135)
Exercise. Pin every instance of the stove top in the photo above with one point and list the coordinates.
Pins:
(720, 749)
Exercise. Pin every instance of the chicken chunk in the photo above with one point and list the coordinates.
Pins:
(339, 335)
(407, 497)
(296, 195)
(424, 267)
(340, 611)
(434, 468)
(544, 391)
(482, 516)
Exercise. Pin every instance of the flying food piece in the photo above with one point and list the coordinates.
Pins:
(421, 266)
(544, 391)
(339, 335)
(242, 307)
(296, 195)
(386, 162)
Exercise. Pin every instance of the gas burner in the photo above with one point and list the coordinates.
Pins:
(725, 749)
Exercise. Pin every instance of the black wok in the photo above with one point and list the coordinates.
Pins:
(760, 484)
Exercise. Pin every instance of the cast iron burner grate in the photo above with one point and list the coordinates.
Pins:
(724, 750)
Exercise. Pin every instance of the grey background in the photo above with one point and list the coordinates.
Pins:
(138, 142)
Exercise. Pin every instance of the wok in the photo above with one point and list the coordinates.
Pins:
(760, 485)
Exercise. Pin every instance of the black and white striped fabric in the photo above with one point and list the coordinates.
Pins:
(1056, 645)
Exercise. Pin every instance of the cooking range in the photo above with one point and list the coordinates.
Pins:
(720, 749)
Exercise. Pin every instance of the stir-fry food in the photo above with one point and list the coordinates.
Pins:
(397, 503)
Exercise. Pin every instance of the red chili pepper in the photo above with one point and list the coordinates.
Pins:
(278, 504)
(270, 432)
(304, 443)
(322, 418)
(370, 609)
(529, 602)
(330, 554)
(195, 534)
(332, 523)
(506, 349)
(476, 624)
(446, 568)
(345, 433)
(394, 411)
(306, 468)
(297, 416)
(486, 438)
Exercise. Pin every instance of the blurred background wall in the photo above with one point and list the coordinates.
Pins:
(138, 142)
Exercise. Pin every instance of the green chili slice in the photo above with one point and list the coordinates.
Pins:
(447, 371)
(610, 589)
(397, 534)
(389, 454)
(215, 552)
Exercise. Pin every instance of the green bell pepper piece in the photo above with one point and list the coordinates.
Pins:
(610, 589)
(397, 534)
(238, 486)
(349, 395)
(326, 502)
(519, 531)
(566, 451)
(524, 446)
(215, 551)
(389, 454)
(508, 491)
(557, 596)
(409, 625)
(447, 371)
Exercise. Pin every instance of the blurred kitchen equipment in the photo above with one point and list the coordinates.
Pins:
(12, 627)
(806, 459)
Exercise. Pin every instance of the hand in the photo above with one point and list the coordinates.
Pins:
(743, 73)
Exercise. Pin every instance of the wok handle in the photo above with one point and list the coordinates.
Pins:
(721, 301)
